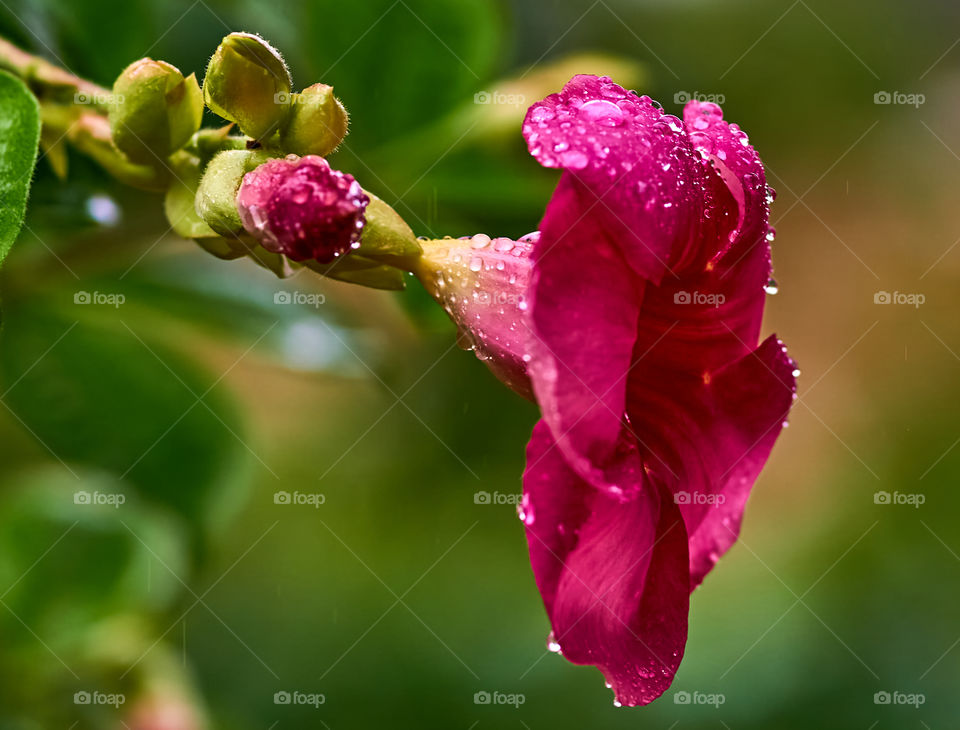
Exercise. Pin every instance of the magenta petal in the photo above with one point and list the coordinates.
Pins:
(585, 303)
(636, 162)
(613, 575)
(708, 437)
(729, 150)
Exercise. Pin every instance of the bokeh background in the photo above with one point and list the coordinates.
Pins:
(400, 598)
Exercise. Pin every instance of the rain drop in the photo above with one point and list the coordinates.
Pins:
(552, 644)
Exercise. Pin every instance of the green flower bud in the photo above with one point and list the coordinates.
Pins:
(247, 82)
(216, 200)
(154, 110)
(317, 123)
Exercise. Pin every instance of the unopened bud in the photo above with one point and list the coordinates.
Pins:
(154, 110)
(247, 82)
(317, 123)
(303, 209)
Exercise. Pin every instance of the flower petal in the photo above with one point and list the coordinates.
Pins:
(584, 309)
(612, 574)
(729, 150)
(636, 162)
(707, 436)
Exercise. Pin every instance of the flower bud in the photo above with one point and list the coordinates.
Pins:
(154, 110)
(317, 123)
(247, 82)
(482, 284)
(302, 208)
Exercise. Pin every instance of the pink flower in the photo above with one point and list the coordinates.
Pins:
(641, 344)
(302, 208)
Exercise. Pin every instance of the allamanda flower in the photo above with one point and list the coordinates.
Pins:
(633, 319)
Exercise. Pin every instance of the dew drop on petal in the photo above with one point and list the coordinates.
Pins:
(552, 644)
(574, 160)
(602, 112)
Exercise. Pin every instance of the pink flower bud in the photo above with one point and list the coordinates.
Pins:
(302, 208)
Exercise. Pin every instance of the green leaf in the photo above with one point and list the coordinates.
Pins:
(107, 396)
(19, 139)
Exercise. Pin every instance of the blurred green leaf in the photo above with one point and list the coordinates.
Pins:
(19, 137)
(75, 573)
(99, 393)
(395, 65)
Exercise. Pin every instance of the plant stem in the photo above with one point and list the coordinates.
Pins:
(50, 82)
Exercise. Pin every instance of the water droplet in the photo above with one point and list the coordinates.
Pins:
(602, 112)
(552, 644)
(771, 287)
(525, 511)
(574, 160)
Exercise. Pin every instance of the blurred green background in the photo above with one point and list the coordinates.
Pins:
(399, 598)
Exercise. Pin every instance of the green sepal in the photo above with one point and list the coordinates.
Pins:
(378, 277)
(386, 235)
(179, 203)
(216, 198)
